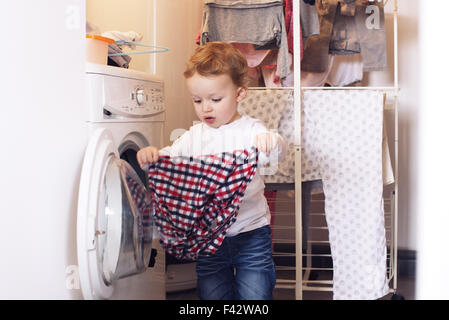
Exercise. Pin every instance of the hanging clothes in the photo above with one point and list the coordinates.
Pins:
(317, 79)
(360, 26)
(196, 199)
(310, 23)
(316, 49)
(348, 27)
(347, 147)
(239, 21)
(268, 69)
(347, 7)
(345, 70)
(344, 39)
(288, 81)
(370, 23)
(341, 71)
(288, 14)
(253, 57)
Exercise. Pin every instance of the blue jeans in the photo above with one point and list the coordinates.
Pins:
(241, 269)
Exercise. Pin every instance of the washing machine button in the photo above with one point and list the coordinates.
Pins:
(140, 96)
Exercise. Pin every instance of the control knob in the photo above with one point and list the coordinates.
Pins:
(140, 96)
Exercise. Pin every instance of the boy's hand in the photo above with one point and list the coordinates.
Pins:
(266, 142)
(147, 155)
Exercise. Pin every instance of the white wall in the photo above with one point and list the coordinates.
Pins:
(408, 54)
(178, 22)
(43, 137)
(433, 154)
(423, 135)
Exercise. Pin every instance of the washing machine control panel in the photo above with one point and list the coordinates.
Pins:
(132, 98)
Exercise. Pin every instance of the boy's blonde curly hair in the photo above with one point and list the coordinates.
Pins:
(217, 58)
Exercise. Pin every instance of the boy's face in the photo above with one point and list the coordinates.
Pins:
(215, 98)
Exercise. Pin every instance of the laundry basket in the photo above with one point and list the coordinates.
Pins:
(97, 49)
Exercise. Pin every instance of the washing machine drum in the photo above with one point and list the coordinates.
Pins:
(124, 222)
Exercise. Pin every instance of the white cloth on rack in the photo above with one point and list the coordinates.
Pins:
(345, 70)
(268, 105)
(346, 128)
(278, 112)
(345, 146)
(341, 71)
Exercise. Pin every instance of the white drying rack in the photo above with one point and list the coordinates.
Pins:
(302, 285)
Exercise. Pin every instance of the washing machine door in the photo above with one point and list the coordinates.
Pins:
(115, 219)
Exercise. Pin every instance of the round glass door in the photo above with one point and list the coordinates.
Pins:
(124, 222)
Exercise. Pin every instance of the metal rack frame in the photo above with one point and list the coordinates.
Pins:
(298, 91)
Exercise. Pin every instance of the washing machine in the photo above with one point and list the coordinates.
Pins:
(119, 254)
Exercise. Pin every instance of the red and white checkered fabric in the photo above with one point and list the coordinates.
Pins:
(196, 200)
(142, 201)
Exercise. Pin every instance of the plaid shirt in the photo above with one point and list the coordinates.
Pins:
(142, 201)
(196, 200)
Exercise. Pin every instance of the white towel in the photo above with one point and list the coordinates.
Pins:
(346, 128)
